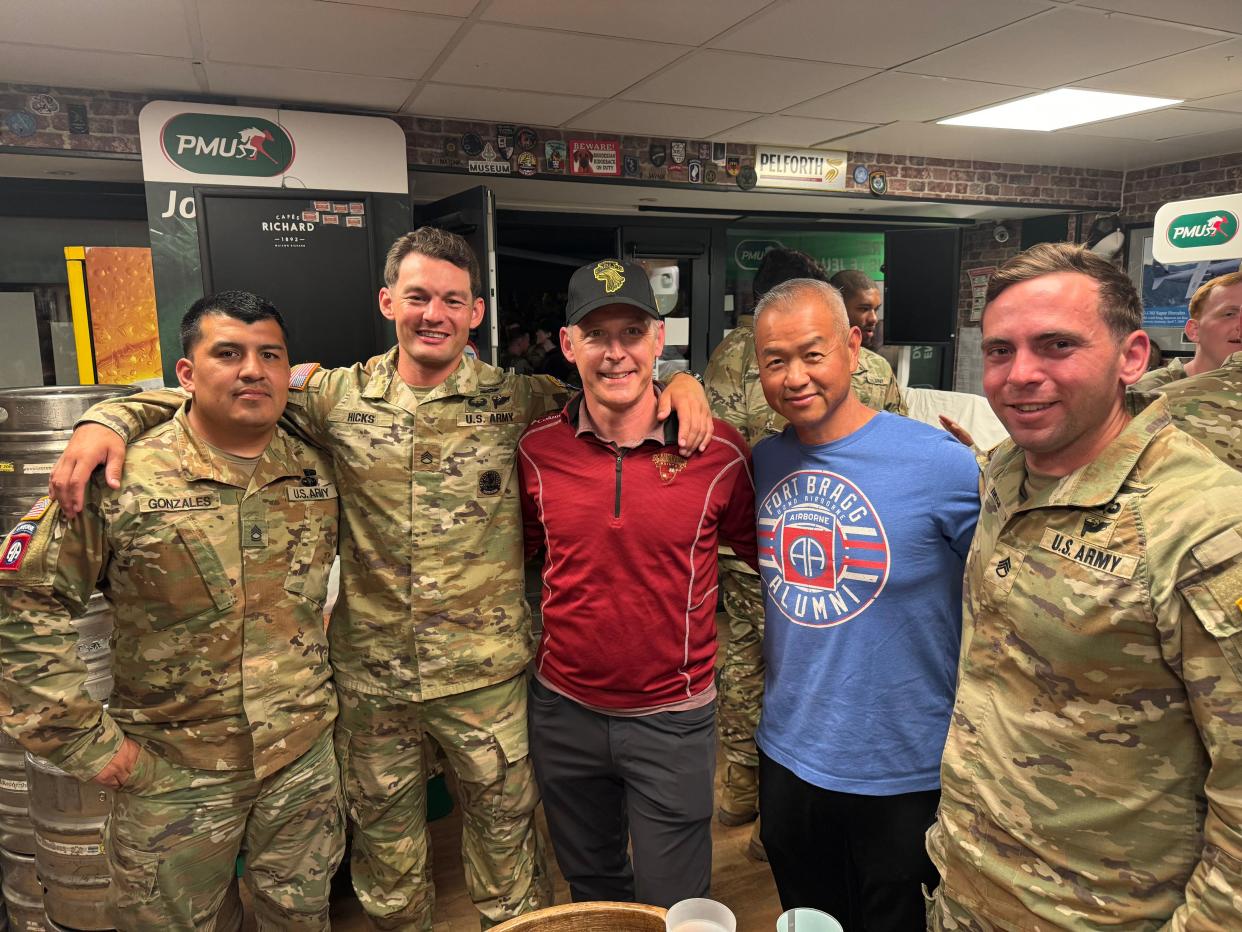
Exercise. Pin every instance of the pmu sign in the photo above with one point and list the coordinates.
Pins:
(1196, 230)
(216, 144)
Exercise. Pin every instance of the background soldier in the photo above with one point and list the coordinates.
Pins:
(1209, 408)
(431, 633)
(214, 552)
(1215, 327)
(736, 397)
(1093, 747)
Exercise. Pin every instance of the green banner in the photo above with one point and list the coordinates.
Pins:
(837, 251)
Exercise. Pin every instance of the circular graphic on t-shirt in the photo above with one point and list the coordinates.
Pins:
(823, 552)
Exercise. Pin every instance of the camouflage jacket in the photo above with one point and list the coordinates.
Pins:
(217, 583)
(736, 396)
(1098, 693)
(432, 593)
(1162, 376)
(1209, 408)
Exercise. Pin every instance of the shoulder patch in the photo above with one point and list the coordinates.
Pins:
(38, 509)
(17, 542)
(300, 374)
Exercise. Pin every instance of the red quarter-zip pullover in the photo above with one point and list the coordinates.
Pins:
(629, 584)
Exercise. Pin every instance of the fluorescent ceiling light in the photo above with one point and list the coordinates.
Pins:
(1057, 109)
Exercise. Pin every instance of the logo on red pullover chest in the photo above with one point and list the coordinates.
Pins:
(668, 465)
(823, 553)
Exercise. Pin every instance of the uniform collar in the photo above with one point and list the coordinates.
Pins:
(469, 379)
(198, 461)
(1089, 486)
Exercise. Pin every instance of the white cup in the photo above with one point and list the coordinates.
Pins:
(807, 920)
(699, 915)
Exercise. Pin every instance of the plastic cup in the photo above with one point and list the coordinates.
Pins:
(699, 915)
(805, 919)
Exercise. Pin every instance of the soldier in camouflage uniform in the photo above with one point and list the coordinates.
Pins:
(214, 552)
(1091, 775)
(1215, 327)
(431, 633)
(1209, 408)
(736, 397)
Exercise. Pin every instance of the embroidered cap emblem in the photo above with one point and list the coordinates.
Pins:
(611, 274)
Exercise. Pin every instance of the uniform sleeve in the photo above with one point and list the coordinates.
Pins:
(893, 400)
(547, 394)
(50, 713)
(723, 383)
(133, 415)
(737, 524)
(313, 393)
(1207, 648)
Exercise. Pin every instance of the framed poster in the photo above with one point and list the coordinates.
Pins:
(1166, 290)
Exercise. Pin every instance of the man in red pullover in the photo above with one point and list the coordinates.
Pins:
(622, 702)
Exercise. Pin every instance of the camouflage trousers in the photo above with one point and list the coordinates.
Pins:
(740, 695)
(174, 834)
(384, 767)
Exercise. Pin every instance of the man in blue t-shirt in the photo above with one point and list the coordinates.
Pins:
(864, 522)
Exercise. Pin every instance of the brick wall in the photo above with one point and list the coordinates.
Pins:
(435, 142)
(1146, 189)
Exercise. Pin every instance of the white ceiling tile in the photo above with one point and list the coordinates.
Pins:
(964, 142)
(531, 59)
(294, 86)
(791, 131)
(1177, 150)
(877, 33)
(1230, 102)
(635, 118)
(690, 22)
(1061, 47)
(444, 7)
(494, 104)
(1201, 73)
(117, 71)
(743, 82)
(891, 95)
(337, 37)
(1215, 14)
(1161, 124)
(157, 27)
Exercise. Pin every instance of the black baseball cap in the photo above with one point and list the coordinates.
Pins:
(606, 282)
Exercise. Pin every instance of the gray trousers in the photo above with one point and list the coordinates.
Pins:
(610, 782)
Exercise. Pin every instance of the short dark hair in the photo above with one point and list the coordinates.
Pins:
(781, 265)
(852, 281)
(434, 244)
(1119, 305)
(240, 305)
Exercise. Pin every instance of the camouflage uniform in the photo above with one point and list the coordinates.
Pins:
(1091, 776)
(736, 397)
(1209, 408)
(431, 627)
(217, 580)
(1152, 380)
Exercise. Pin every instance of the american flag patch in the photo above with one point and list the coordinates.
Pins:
(38, 510)
(300, 374)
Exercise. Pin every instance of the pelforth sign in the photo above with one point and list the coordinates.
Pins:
(1202, 229)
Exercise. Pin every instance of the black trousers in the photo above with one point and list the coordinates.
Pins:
(859, 858)
(608, 783)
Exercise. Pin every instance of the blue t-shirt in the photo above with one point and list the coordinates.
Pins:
(861, 547)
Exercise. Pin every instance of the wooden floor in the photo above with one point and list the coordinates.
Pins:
(742, 884)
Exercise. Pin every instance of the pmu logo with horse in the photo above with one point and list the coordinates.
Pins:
(823, 552)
